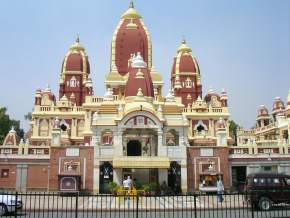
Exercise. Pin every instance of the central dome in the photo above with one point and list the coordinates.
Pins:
(131, 36)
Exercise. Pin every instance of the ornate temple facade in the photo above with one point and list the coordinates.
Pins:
(80, 141)
(264, 148)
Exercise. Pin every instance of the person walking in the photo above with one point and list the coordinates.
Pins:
(220, 190)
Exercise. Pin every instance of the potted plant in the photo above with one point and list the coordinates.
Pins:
(153, 188)
(113, 187)
(146, 189)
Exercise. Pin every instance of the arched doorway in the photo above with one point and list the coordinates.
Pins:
(106, 176)
(134, 148)
(174, 177)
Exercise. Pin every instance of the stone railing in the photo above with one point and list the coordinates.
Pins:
(266, 128)
(208, 110)
(24, 150)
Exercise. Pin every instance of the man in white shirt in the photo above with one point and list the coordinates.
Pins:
(127, 183)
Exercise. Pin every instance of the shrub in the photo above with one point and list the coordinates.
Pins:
(113, 187)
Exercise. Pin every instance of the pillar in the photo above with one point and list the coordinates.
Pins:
(183, 178)
(96, 180)
(117, 176)
(162, 176)
(161, 148)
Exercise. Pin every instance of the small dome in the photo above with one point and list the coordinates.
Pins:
(224, 95)
(11, 138)
(139, 82)
(278, 105)
(221, 124)
(184, 61)
(76, 59)
(210, 94)
(263, 111)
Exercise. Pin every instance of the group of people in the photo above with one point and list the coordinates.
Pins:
(128, 185)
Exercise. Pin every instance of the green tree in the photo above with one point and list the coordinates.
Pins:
(28, 116)
(233, 130)
(6, 124)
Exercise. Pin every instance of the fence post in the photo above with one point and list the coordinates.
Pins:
(194, 200)
(77, 205)
(252, 205)
(16, 200)
(137, 205)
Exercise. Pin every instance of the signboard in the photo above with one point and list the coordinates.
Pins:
(206, 152)
(72, 152)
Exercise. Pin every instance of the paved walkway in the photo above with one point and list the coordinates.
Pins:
(146, 203)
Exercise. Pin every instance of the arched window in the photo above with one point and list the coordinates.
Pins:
(107, 137)
(200, 128)
(172, 138)
(80, 127)
(188, 83)
(73, 82)
(43, 128)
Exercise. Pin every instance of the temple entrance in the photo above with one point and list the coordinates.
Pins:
(106, 176)
(239, 174)
(141, 177)
(140, 142)
(174, 177)
(134, 148)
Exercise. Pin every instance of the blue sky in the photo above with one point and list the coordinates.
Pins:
(242, 46)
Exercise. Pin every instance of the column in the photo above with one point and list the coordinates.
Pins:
(183, 178)
(117, 176)
(161, 148)
(163, 175)
(96, 180)
(118, 143)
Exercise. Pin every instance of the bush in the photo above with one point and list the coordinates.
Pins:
(146, 188)
(113, 187)
(153, 187)
(138, 185)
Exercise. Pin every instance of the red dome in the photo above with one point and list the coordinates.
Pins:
(76, 59)
(262, 111)
(209, 95)
(131, 36)
(186, 64)
(74, 62)
(139, 80)
(184, 61)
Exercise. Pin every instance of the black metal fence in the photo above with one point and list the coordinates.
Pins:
(108, 206)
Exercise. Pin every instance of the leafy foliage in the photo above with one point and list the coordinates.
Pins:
(113, 187)
(233, 130)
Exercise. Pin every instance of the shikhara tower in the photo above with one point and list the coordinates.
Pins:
(83, 142)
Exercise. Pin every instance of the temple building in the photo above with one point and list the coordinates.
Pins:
(81, 142)
(265, 148)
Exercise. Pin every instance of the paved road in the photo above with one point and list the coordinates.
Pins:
(222, 213)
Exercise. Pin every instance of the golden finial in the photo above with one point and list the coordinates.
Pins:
(131, 5)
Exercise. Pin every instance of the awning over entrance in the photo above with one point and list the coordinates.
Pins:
(141, 162)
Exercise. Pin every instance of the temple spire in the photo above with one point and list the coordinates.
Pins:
(78, 38)
(131, 5)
